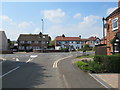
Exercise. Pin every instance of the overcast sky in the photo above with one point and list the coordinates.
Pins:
(71, 19)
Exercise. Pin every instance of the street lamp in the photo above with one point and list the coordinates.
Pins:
(42, 35)
(103, 19)
(42, 25)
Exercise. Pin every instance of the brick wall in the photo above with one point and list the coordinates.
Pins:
(111, 34)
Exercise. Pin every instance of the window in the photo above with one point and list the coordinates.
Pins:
(36, 48)
(43, 36)
(28, 47)
(22, 42)
(43, 42)
(36, 42)
(29, 42)
(116, 47)
(115, 24)
(21, 47)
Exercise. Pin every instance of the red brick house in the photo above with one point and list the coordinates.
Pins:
(113, 32)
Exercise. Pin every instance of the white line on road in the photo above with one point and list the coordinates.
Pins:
(17, 59)
(56, 62)
(98, 81)
(65, 81)
(10, 71)
(31, 58)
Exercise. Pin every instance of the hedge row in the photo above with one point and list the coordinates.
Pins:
(101, 64)
(110, 63)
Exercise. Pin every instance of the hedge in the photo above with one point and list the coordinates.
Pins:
(110, 63)
(102, 64)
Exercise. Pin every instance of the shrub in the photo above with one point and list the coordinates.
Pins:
(111, 63)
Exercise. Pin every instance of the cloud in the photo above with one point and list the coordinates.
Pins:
(55, 16)
(6, 19)
(110, 10)
(13, 29)
(87, 27)
(77, 15)
(37, 30)
(24, 24)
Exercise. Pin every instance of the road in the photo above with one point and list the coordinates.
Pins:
(44, 70)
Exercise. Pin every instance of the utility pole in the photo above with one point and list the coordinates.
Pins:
(42, 35)
(103, 19)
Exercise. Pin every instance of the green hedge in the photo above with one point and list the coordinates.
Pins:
(111, 63)
(102, 64)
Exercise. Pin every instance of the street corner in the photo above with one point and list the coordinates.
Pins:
(109, 80)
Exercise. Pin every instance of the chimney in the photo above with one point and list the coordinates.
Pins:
(80, 36)
(118, 3)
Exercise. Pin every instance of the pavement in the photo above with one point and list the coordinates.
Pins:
(108, 80)
(44, 70)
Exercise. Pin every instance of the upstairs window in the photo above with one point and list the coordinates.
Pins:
(22, 42)
(115, 24)
(36, 42)
(29, 42)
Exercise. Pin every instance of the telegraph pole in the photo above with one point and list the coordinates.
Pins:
(103, 19)
(42, 34)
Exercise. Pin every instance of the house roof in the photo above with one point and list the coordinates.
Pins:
(60, 38)
(92, 38)
(114, 13)
(32, 37)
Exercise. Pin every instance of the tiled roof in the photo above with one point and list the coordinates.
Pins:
(60, 38)
(114, 13)
(92, 38)
(32, 37)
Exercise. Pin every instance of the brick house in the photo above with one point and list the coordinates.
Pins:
(31, 42)
(113, 30)
(92, 41)
(72, 43)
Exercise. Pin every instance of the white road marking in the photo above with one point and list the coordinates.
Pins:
(10, 71)
(55, 64)
(98, 80)
(17, 59)
(65, 81)
(29, 60)
(33, 56)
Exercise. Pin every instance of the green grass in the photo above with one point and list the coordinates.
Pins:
(88, 56)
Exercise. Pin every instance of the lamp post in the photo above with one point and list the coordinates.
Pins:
(42, 35)
(42, 25)
(103, 19)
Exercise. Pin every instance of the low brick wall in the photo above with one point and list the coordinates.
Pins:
(101, 50)
(6, 52)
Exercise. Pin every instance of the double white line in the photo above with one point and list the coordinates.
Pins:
(55, 64)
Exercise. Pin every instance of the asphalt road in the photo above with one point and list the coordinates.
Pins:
(44, 70)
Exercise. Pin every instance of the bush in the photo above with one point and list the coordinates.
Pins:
(64, 49)
(111, 63)
(96, 67)
(82, 65)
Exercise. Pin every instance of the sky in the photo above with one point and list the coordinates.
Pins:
(69, 18)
